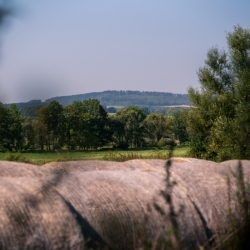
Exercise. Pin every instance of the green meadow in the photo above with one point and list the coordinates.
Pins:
(40, 158)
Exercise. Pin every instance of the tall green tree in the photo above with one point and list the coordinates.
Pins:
(11, 137)
(5, 120)
(180, 125)
(118, 132)
(88, 125)
(219, 123)
(52, 117)
(15, 126)
(80, 126)
(40, 133)
(134, 130)
(29, 134)
(99, 130)
(104, 127)
(66, 135)
(157, 126)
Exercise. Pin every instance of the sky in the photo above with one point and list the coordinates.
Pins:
(62, 47)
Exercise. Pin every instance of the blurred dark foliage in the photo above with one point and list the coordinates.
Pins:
(7, 10)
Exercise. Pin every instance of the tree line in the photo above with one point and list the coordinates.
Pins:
(117, 98)
(127, 98)
(85, 125)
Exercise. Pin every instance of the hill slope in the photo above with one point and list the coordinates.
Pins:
(117, 98)
(127, 98)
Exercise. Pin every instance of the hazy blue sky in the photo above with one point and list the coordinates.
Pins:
(61, 47)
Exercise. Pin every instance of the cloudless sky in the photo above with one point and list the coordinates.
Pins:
(62, 47)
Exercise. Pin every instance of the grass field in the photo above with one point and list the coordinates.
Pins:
(40, 158)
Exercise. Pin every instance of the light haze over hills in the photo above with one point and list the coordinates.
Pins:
(118, 98)
(59, 48)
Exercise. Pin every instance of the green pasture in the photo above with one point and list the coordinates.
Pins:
(40, 158)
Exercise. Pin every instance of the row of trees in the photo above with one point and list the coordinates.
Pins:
(86, 125)
(81, 125)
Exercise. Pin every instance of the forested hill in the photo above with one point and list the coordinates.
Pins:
(116, 98)
(127, 98)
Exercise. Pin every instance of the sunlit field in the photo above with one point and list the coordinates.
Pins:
(40, 158)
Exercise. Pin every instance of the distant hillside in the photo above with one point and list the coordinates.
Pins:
(117, 98)
(32, 103)
(127, 98)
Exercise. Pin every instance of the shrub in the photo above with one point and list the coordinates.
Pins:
(198, 148)
(162, 142)
(157, 154)
(116, 156)
(151, 143)
(17, 157)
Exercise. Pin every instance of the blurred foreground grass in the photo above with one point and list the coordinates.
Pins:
(40, 158)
